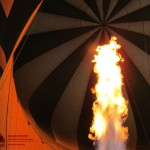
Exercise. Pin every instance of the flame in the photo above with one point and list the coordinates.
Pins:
(110, 107)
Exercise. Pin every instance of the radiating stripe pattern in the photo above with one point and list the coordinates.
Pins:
(54, 74)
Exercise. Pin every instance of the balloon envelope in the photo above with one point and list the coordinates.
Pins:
(54, 74)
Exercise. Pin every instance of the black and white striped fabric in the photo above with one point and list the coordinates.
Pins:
(53, 69)
(13, 17)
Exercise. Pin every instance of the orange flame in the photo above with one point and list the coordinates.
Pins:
(110, 107)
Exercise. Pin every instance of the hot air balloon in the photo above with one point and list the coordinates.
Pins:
(53, 74)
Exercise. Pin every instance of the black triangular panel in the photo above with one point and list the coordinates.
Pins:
(92, 4)
(105, 8)
(18, 17)
(3, 21)
(1, 71)
(4, 31)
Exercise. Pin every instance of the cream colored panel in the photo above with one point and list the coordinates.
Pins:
(139, 27)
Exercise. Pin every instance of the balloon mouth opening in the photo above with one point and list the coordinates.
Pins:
(104, 24)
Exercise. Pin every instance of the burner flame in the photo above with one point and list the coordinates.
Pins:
(110, 107)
